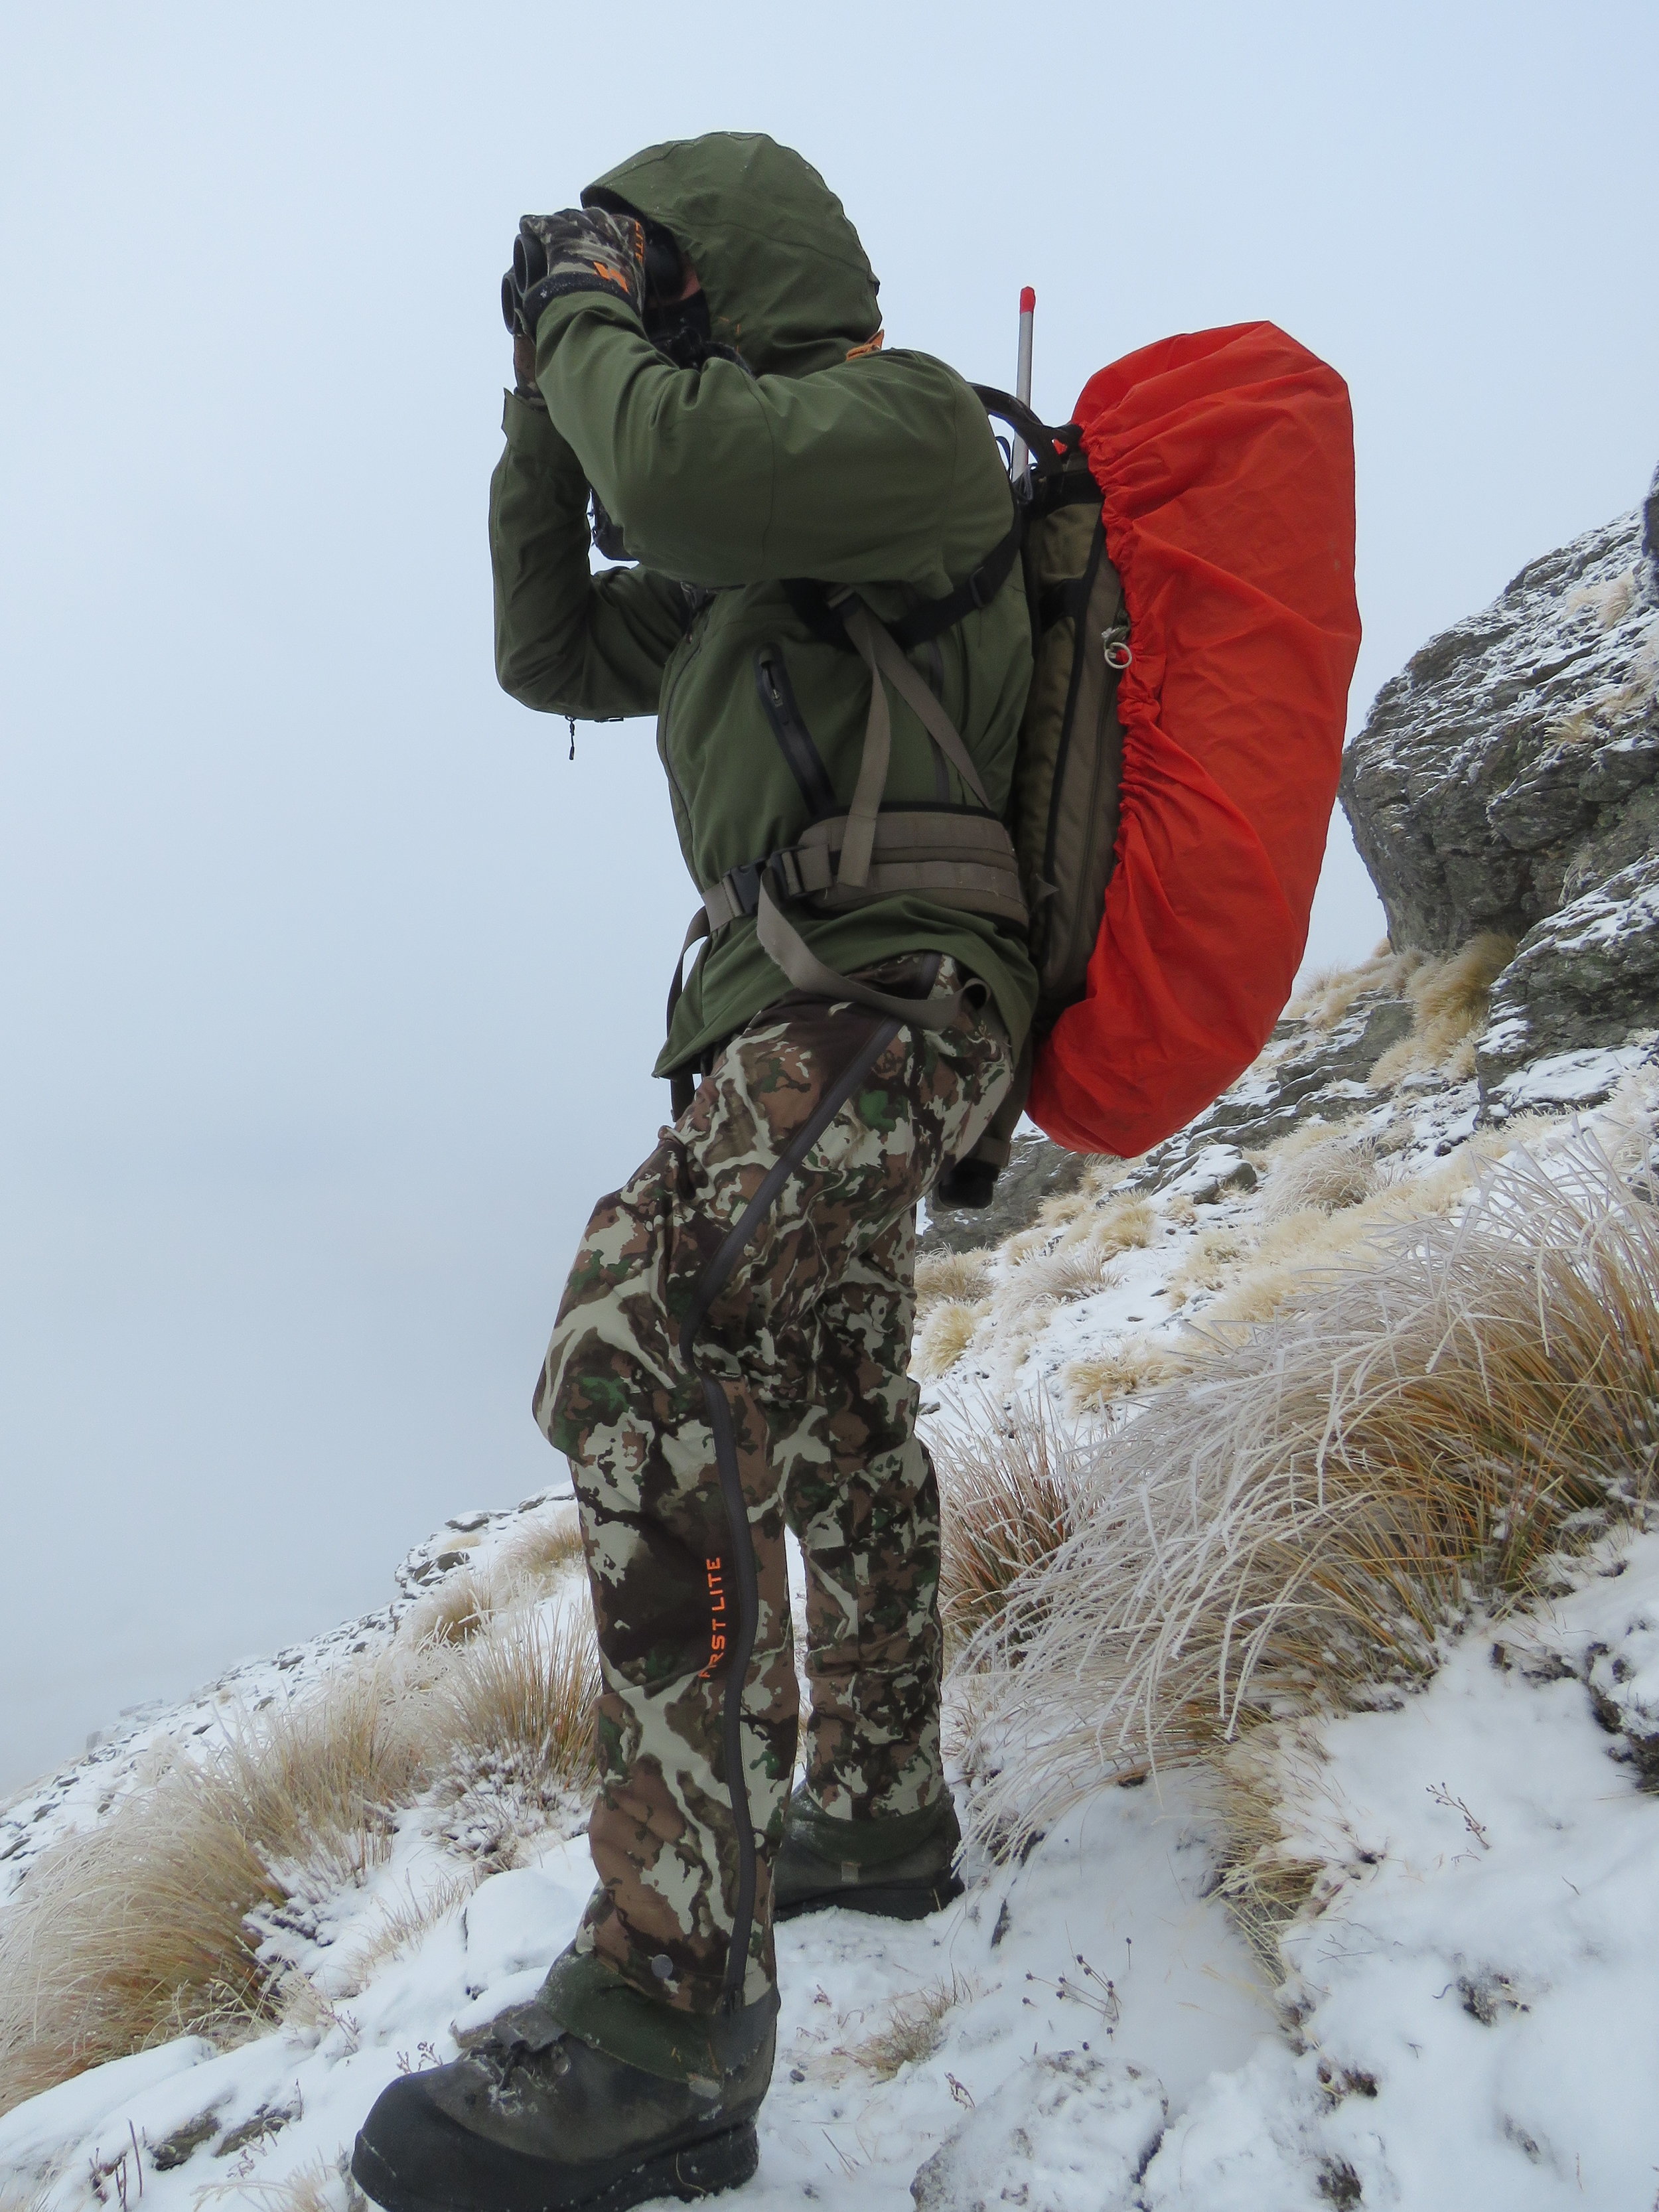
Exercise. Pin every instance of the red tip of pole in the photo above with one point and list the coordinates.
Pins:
(1027, 300)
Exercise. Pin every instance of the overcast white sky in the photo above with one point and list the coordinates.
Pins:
(329, 985)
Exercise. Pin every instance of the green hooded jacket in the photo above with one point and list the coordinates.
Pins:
(815, 456)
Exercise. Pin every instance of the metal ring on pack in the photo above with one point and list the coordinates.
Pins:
(1118, 655)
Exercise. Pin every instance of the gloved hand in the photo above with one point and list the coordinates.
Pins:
(579, 250)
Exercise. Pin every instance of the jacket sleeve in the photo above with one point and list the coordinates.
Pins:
(881, 469)
(567, 640)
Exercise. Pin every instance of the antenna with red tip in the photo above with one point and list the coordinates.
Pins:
(1022, 459)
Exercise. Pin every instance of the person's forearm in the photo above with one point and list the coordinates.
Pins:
(566, 642)
(722, 479)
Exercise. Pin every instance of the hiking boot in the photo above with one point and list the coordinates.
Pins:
(900, 1867)
(535, 2117)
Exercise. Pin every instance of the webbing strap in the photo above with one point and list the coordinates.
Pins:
(698, 925)
(821, 609)
(788, 949)
(883, 658)
(858, 842)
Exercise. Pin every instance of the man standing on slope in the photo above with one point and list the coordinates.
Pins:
(699, 348)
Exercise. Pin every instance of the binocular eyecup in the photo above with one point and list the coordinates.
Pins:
(528, 267)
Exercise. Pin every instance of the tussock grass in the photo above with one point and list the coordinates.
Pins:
(1292, 1250)
(1326, 1175)
(914, 2029)
(543, 1550)
(1100, 1381)
(520, 1714)
(1009, 1491)
(1609, 603)
(1326, 997)
(139, 1930)
(151, 1925)
(455, 1611)
(1264, 1883)
(1123, 1224)
(1102, 1176)
(1299, 1524)
(963, 1276)
(945, 1333)
(1071, 1271)
(526, 1567)
(1211, 1257)
(1062, 1209)
(1449, 999)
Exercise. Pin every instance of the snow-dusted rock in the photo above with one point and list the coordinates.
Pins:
(1070, 2132)
(1510, 765)
(1585, 977)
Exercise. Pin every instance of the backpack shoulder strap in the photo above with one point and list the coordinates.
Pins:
(820, 610)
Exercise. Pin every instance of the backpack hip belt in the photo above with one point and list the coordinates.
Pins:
(961, 856)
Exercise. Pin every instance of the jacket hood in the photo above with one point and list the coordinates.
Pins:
(787, 280)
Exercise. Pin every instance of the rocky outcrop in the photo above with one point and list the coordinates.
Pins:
(1511, 767)
(1586, 978)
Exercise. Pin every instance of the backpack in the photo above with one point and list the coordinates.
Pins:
(1186, 545)
(1196, 630)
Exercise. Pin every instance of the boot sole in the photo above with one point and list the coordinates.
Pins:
(697, 2170)
(888, 1901)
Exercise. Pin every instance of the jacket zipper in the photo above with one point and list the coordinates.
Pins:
(795, 739)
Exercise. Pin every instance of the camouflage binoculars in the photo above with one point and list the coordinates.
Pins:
(665, 272)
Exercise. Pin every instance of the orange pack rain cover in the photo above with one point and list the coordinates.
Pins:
(1226, 459)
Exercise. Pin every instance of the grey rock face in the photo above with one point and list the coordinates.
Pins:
(1587, 976)
(1511, 766)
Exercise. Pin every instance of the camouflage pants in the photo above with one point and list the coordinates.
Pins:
(796, 1408)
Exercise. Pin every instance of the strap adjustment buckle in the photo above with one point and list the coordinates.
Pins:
(779, 871)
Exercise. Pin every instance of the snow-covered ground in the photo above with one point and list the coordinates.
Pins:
(1471, 2016)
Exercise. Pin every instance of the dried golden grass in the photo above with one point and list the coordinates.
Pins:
(1102, 1176)
(543, 1552)
(1060, 1211)
(453, 1612)
(963, 1276)
(1449, 999)
(1101, 1381)
(944, 1333)
(1264, 1883)
(914, 2029)
(1291, 1253)
(1008, 1493)
(1326, 997)
(149, 1925)
(1123, 1224)
(527, 1566)
(1308, 1515)
(1610, 602)
(520, 1711)
(1210, 1259)
(1071, 1271)
(1326, 1175)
